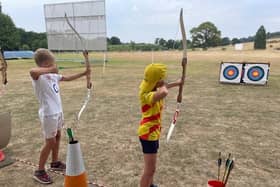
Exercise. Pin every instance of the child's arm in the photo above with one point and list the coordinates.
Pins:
(75, 76)
(174, 84)
(36, 72)
(161, 93)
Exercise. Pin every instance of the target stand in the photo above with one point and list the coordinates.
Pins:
(244, 72)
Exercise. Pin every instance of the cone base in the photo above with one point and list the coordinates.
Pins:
(76, 181)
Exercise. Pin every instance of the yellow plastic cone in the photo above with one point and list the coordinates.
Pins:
(75, 175)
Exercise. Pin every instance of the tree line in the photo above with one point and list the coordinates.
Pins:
(203, 36)
(13, 38)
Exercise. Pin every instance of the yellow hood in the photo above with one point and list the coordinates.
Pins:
(153, 73)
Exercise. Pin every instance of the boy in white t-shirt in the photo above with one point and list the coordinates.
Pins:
(45, 80)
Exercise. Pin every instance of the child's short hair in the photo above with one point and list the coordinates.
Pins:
(41, 55)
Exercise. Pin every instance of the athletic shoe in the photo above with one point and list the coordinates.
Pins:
(58, 166)
(42, 177)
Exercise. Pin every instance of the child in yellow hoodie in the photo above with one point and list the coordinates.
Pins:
(153, 90)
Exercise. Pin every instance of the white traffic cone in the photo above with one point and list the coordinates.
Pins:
(75, 175)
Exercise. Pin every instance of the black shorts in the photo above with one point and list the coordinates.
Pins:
(149, 147)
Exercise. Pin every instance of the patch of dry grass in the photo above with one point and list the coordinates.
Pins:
(243, 120)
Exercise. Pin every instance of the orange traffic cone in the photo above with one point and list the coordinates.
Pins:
(75, 175)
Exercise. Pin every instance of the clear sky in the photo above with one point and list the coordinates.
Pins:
(144, 20)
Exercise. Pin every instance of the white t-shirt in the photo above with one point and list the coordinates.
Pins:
(47, 92)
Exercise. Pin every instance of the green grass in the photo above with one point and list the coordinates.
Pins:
(240, 119)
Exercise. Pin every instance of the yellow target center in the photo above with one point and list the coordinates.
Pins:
(230, 72)
(255, 74)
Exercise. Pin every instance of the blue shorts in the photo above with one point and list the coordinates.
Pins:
(149, 147)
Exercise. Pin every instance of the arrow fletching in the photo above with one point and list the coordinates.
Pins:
(70, 135)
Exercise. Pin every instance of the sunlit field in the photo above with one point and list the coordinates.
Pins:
(242, 120)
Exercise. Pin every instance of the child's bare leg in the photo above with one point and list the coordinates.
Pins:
(55, 149)
(149, 170)
(49, 144)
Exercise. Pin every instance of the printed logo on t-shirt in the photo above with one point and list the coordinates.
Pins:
(55, 88)
(48, 77)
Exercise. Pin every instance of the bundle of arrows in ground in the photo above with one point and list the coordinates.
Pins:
(229, 164)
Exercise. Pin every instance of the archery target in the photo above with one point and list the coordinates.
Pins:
(256, 73)
(231, 73)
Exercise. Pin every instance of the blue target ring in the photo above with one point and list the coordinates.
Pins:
(255, 73)
(231, 72)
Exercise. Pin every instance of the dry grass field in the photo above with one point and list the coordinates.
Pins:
(243, 120)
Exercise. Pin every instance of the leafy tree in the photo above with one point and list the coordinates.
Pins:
(260, 39)
(25, 47)
(32, 39)
(273, 35)
(157, 41)
(170, 44)
(108, 41)
(115, 40)
(178, 44)
(248, 39)
(235, 41)
(162, 42)
(225, 41)
(206, 35)
(132, 45)
(189, 44)
(43, 43)
(9, 36)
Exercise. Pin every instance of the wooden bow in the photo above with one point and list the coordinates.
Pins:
(4, 67)
(184, 65)
(88, 77)
(184, 59)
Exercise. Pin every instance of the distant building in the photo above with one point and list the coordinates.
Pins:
(238, 47)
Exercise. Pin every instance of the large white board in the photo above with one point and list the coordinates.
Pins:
(87, 17)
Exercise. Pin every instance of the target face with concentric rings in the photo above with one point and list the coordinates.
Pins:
(255, 73)
(231, 72)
